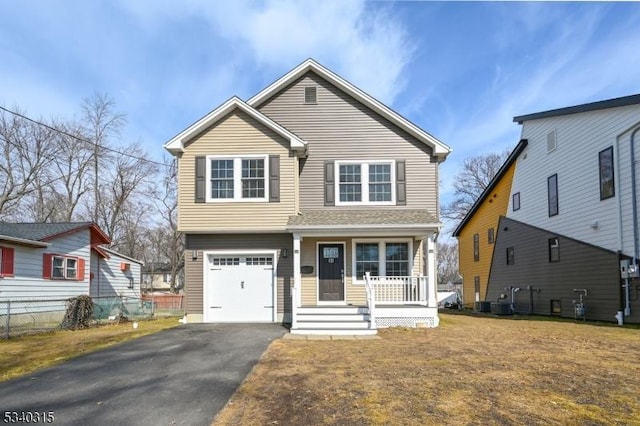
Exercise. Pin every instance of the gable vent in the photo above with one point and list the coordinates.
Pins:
(552, 142)
(310, 95)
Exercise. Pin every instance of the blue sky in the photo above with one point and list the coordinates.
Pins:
(459, 70)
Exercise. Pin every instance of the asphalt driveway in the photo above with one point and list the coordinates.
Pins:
(181, 376)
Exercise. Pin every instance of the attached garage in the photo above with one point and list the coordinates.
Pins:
(239, 287)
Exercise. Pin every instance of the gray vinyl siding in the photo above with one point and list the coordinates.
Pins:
(581, 266)
(109, 280)
(28, 283)
(580, 137)
(339, 128)
(236, 135)
(194, 269)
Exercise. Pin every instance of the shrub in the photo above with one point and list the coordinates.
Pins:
(79, 313)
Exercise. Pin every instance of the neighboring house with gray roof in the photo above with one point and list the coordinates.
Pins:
(288, 199)
(47, 261)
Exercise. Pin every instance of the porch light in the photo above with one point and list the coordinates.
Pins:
(194, 254)
(285, 253)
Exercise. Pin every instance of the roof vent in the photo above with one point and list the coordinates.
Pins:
(552, 143)
(310, 95)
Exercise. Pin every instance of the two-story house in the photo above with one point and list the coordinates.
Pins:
(288, 199)
(569, 235)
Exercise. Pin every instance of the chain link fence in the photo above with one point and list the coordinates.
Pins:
(18, 317)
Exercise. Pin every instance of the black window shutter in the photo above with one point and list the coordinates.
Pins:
(201, 171)
(329, 184)
(274, 178)
(401, 184)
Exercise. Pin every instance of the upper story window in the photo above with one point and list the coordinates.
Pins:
(476, 247)
(607, 183)
(554, 249)
(365, 182)
(491, 236)
(552, 194)
(515, 204)
(237, 178)
(310, 95)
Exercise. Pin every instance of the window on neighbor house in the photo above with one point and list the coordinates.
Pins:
(59, 267)
(6, 261)
(365, 182)
(476, 247)
(607, 183)
(476, 285)
(491, 237)
(552, 194)
(511, 259)
(237, 178)
(381, 258)
(516, 201)
(554, 250)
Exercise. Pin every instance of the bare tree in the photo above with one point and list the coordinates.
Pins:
(24, 156)
(130, 175)
(101, 124)
(476, 174)
(447, 262)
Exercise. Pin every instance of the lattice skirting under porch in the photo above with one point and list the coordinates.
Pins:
(411, 322)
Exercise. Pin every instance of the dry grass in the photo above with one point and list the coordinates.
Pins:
(23, 355)
(468, 371)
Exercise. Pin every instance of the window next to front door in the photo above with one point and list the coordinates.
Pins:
(391, 258)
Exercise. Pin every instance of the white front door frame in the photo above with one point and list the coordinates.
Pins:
(206, 277)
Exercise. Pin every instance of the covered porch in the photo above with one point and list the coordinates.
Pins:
(357, 271)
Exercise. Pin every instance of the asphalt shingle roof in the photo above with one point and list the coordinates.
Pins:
(345, 218)
(38, 231)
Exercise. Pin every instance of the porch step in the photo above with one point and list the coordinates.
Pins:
(334, 332)
(349, 310)
(354, 325)
(333, 320)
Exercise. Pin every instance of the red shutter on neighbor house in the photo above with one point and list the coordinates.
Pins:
(6, 270)
(46, 266)
(80, 269)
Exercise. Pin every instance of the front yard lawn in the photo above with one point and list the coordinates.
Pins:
(25, 354)
(468, 371)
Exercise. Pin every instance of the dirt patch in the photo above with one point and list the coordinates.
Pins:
(467, 371)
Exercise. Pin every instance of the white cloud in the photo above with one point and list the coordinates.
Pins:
(363, 42)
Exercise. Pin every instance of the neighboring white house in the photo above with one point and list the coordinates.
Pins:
(47, 261)
(573, 213)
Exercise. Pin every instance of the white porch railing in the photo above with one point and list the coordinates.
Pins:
(398, 290)
(371, 297)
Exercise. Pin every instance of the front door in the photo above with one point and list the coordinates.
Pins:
(331, 272)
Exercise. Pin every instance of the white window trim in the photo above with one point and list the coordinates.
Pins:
(237, 178)
(381, 255)
(364, 176)
(65, 268)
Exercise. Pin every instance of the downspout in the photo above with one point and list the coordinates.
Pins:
(634, 210)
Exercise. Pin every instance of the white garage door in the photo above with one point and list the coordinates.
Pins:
(239, 288)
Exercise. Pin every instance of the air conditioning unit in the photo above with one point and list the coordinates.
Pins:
(483, 307)
(498, 308)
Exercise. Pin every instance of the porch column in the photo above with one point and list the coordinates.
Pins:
(432, 274)
(296, 291)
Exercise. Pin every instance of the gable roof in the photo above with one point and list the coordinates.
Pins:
(439, 148)
(177, 143)
(498, 176)
(593, 106)
(48, 231)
